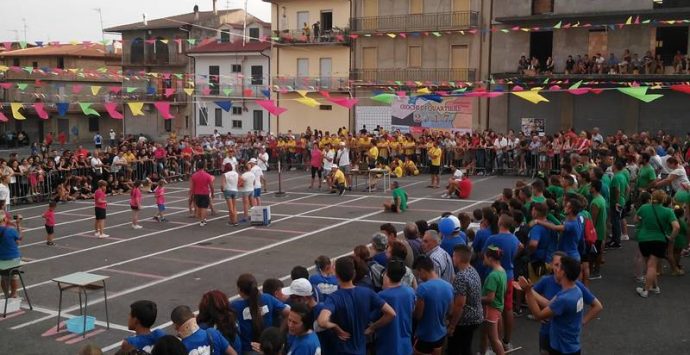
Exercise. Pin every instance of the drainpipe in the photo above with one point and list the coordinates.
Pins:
(269, 86)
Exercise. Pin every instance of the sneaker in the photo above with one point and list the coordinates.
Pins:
(163, 219)
(50, 244)
(342, 192)
(155, 218)
(97, 235)
(103, 236)
(235, 224)
(507, 347)
(595, 276)
(202, 223)
(445, 195)
(655, 290)
(642, 292)
(136, 226)
(625, 237)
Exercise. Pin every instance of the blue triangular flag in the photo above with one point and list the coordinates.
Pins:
(432, 97)
(62, 108)
(225, 105)
(151, 90)
(39, 43)
(266, 93)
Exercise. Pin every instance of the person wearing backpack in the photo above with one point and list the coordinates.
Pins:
(597, 209)
(589, 236)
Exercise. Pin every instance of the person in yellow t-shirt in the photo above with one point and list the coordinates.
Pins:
(409, 146)
(397, 169)
(339, 181)
(291, 147)
(373, 155)
(382, 145)
(409, 167)
(435, 154)
(394, 148)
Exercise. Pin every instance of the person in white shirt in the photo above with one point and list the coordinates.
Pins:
(258, 175)
(97, 166)
(228, 185)
(5, 191)
(246, 190)
(262, 159)
(343, 160)
(230, 159)
(328, 158)
(500, 144)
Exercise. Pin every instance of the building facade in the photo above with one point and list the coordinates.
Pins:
(239, 74)
(161, 46)
(627, 30)
(61, 74)
(310, 57)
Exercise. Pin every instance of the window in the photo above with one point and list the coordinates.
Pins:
(136, 51)
(326, 21)
(214, 79)
(61, 62)
(541, 7)
(254, 35)
(34, 64)
(236, 68)
(93, 123)
(15, 62)
(598, 42)
(224, 36)
(302, 67)
(219, 117)
(236, 123)
(257, 75)
(167, 125)
(236, 110)
(326, 107)
(258, 120)
(203, 116)
(414, 57)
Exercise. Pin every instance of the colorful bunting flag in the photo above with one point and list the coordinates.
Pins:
(384, 98)
(95, 89)
(189, 91)
(86, 108)
(164, 109)
(111, 107)
(3, 118)
(344, 102)
(136, 108)
(15, 111)
(225, 105)
(169, 92)
(40, 110)
(531, 96)
(76, 89)
(308, 101)
(271, 107)
(62, 108)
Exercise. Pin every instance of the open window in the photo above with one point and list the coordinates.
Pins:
(670, 40)
(541, 7)
(541, 46)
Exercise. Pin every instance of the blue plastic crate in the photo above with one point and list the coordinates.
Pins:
(76, 325)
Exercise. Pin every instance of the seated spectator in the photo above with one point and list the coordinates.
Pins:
(215, 312)
(624, 65)
(612, 64)
(169, 345)
(648, 63)
(522, 65)
(142, 315)
(600, 63)
(549, 66)
(658, 65)
(636, 64)
(195, 339)
(570, 65)
(679, 63)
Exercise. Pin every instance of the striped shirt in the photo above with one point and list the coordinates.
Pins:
(443, 264)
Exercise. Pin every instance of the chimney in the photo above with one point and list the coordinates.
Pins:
(215, 10)
(196, 12)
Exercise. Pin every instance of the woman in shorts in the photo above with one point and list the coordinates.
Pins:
(493, 294)
(657, 225)
(228, 185)
(246, 190)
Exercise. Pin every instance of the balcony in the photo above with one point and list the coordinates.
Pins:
(237, 92)
(66, 77)
(417, 22)
(312, 83)
(328, 37)
(151, 60)
(379, 76)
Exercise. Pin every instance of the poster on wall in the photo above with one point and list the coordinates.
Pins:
(529, 125)
(414, 115)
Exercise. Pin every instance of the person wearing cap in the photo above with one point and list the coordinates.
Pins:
(449, 227)
(379, 243)
(339, 183)
(399, 202)
(258, 176)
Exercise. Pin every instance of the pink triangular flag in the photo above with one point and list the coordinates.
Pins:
(248, 92)
(7, 45)
(169, 92)
(41, 110)
(111, 107)
(401, 94)
(554, 88)
(325, 94)
(348, 103)
(206, 91)
(5, 85)
(271, 107)
(579, 91)
(115, 89)
(76, 88)
(164, 108)
(3, 118)
(518, 88)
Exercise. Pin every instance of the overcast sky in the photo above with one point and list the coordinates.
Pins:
(66, 20)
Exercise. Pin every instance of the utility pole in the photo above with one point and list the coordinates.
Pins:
(24, 21)
(100, 15)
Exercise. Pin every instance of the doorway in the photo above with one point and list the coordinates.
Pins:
(325, 70)
(302, 18)
(63, 127)
(670, 40)
(326, 21)
(541, 45)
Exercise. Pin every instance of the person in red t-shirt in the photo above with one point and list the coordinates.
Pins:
(49, 216)
(464, 188)
(62, 139)
(201, 190)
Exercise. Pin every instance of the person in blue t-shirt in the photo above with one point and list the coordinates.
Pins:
(539, 240)
(347, 311)
(9, 250)
(301, 338)
(449, 228)
(255, 310)
(300, 292)
(324, 281)
(396, 336)
(209, 341)
(215, 312)
(142, 315)
(489, 227)
(564, 310)
(510, 246)
(572, 231)
(433, 306)
(548, 287)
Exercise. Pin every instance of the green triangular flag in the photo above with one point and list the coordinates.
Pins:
(640, 93)
(29, 69)
(546, 81)
(178, 76)
(191, 41)
(646, 21)
(102, 70)
(227, 91)
(437, 34)
(86, 108)
(492, 81)
(22, 86)
(131, 89)
(576, 85)
(22, 44)
(558, 25)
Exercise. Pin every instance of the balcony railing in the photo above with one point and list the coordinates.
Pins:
(301, 37)
(238, 92)
(83, 79)
(315, 83)
(374, 76)
(151, 59)
(416, 22)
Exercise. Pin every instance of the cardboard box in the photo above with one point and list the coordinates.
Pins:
(260, 215)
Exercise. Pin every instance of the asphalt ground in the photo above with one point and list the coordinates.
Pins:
(174, 263)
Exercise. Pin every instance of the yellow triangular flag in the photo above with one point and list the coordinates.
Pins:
(531, 96)
(629, 21)
(189, 91)
(302, 93)
(308, 101)
(164, 41)
(419, 83)
(4, 68)
(95, 89)
(155, 75)
(424, 91)
(136, 108)
(391, 35)
(15, 111)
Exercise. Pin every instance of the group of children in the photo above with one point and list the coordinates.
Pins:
(100, 201)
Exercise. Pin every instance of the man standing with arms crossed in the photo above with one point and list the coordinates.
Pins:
(201, 190)
(435, 168)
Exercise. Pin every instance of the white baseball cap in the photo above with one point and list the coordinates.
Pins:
(457, 174)
(252, 161)
(299, 287)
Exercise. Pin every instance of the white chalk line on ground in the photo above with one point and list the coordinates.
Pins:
(174, 276)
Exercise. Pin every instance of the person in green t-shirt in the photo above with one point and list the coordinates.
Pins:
(681, 241)
(646, 175)
(399, 202)
(493, 293)
(619, 189)
(597, 209)
(652, 234)
(555, 188)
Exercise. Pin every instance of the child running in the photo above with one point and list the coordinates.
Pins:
(493, 293)
(49, 216)
(160, 201)
(135, 204)
(101, 203)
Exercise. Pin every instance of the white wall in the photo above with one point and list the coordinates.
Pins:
(225, 62)
(247, 117)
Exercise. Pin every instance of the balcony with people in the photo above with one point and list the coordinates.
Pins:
(392, 75)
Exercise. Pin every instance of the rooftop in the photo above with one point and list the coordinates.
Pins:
(63, 50)
(237, 46)
(177, 20)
